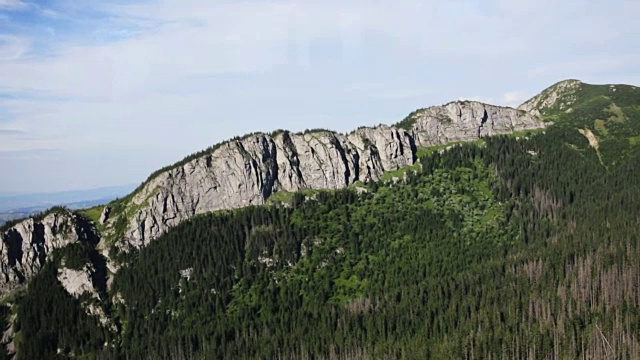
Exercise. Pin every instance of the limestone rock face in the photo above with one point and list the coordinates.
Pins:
(246, 172)
(76, 282)
(469, 121)
(25, 246)
(395, 148)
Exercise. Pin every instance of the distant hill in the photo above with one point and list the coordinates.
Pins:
(14, 202)
(33, 210)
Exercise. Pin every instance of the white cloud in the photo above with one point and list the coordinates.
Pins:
(50, 13)
(174, 41)
(12, 48)
(13, 4)
(514, 98)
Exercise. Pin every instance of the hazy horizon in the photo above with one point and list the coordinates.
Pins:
(48, 199)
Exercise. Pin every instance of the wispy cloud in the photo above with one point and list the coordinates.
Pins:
(27, 155)
(5, 132)
(13, 4)
(13, 47)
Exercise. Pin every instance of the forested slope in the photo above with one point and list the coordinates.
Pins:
(512, 247)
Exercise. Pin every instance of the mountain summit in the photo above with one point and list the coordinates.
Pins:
(607, 115)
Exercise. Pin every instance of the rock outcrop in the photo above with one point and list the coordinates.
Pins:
(468, 121)
(26, 245)
(247, 171)
(105, 214)
(9, 335)
(558, 95)
(77, 282)
(81, 281)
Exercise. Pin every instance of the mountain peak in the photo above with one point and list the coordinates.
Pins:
(558, 95)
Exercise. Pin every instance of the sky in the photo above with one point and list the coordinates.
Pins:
(103, 93)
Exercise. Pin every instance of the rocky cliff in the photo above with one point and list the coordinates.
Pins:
(247, 171)
(468, 121)
(26, 246)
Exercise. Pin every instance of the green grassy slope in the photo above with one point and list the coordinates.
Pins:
(610, 112)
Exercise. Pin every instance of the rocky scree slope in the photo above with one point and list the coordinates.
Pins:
(248, 171)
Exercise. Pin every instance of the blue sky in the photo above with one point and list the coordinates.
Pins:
(103, 94)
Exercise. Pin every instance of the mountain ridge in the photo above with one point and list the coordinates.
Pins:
(318, 159)
(270, 162)
(247, 170)
(478, 192)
